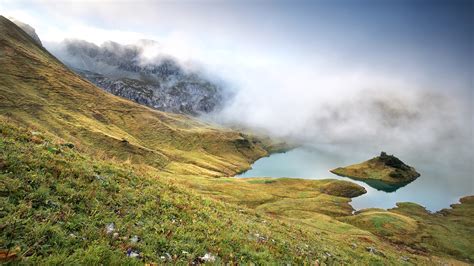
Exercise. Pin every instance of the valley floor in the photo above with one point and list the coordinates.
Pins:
(59, 205)
(90, 178)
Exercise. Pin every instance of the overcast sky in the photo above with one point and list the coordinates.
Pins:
(289, 59)
(434, 39)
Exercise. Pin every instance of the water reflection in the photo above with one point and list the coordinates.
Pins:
(441, 182)
(380, 185)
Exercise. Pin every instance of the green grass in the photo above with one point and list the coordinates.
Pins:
(375, 169)
(448, 232)
(165, 178)
(397, 228)
(261, 181)
(56, 203)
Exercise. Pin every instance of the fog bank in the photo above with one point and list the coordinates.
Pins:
(354, 110)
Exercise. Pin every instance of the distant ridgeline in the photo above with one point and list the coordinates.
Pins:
(89, 178)
(28, 29)
(162, 84)
(119, 69)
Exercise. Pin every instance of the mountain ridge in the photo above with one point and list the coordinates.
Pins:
(124, 71)
(28, 29)
(58, 95)
(90, 178)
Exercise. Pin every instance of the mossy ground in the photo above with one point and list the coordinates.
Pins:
(165, 178)
(378, 170)
(447, 232)
(56, 203)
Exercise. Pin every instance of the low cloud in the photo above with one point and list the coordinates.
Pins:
(320, 87)
(320, 101)
(340, 108)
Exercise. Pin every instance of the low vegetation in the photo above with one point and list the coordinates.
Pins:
(90, 178)
(60, 206)
(385, 168)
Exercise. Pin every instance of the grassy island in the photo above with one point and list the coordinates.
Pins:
(385, 168)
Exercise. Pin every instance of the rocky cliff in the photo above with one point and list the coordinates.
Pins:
(28, 29)
(160, 83)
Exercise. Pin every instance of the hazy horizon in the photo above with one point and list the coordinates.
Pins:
(202, 132)
(394, 75)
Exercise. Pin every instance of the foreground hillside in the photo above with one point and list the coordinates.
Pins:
(61, 206)
(41, 92)
(90, 178)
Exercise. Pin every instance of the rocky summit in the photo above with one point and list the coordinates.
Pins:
(402, 171)
(28, 29)
(89, 178)
(161, 82)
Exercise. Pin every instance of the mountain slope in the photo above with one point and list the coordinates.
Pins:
(90, 178)
(28, 29)
(41, 92)
(59, 206)
(83, 172)
(125, 71)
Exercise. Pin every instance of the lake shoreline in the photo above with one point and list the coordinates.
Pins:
(307, 163)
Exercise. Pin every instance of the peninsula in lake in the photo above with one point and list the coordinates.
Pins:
(384, 172)
(156, 137)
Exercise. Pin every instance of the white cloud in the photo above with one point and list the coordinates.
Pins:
(306, 92)
(92, 34)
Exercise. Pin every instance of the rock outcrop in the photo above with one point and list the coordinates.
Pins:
(160, 83)
(28, 29)
(385, 168)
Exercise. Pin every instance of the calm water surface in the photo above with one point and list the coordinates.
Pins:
(439, 185)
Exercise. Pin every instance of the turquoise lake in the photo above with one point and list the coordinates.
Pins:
(440, 184)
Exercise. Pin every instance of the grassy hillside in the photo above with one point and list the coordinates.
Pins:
(39, 91)
(450, 231)
(384, 168)
(58, 204)
(90, 178)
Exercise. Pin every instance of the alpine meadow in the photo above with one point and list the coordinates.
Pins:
(236, 133)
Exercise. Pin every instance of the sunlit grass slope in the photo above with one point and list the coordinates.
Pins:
(385, 168)
(90, 178)
(56, 205)
(447, 232)
(42, 93)
(323, 206)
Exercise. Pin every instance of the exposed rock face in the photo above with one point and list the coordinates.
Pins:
(161, 83)
(392, 161)
(28, 29)
(401, 169)
(384, 168)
